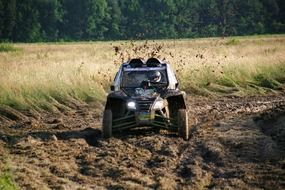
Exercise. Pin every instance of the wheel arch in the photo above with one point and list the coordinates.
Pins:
(117, 105)
(113, 102)
(177, 99)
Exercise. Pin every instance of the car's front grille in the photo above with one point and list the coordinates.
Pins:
(144, 105)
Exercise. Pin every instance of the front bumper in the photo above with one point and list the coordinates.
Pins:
(144, 119)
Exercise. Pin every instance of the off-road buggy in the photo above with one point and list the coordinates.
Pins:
(145, 94)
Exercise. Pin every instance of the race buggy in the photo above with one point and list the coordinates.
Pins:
(145, 94)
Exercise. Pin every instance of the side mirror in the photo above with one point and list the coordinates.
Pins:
(112, 87)
(176, 85)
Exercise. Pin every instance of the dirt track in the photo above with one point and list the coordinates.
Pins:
(236, 143)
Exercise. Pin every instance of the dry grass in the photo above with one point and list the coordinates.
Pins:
(47, 75)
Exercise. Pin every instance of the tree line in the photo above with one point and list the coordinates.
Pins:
(73, 20)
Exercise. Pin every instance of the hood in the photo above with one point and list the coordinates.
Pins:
(140, 93)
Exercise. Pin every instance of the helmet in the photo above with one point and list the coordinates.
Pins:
(155, 76)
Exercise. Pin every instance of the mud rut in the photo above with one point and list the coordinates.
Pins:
(236, 143)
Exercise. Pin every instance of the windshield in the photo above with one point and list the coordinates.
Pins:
(134, 78)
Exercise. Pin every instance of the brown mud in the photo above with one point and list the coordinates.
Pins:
(236, 143)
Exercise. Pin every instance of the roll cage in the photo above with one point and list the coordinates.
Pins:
(151, 64)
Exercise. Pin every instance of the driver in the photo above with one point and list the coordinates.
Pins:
(155, 76)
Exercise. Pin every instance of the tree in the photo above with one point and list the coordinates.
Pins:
(132, 25)
(9, 18)
(114, 18)
(75, 16)
(27, 26)
(1, 19)
(97, 12)
(249, 17)
(225, 17)
(50, 18)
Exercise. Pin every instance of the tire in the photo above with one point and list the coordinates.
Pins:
(183, 128)
(107, 124)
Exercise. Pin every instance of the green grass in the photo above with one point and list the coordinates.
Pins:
(50, 96)
(238, 80)
(232, 42)
(6, 182)
(6, 47)
(6, 177)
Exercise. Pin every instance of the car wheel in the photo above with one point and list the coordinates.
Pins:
(107, 124)
(183, 128)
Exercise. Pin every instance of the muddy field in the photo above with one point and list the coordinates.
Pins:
(236, 143)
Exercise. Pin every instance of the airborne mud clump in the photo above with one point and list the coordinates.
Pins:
(143, 50)
(236, 143)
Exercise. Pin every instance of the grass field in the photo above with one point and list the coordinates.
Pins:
(46, 75)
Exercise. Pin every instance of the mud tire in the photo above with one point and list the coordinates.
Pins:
(107, 124)
(183, 128)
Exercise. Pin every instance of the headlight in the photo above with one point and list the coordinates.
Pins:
(131, 105)
(158, 104)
